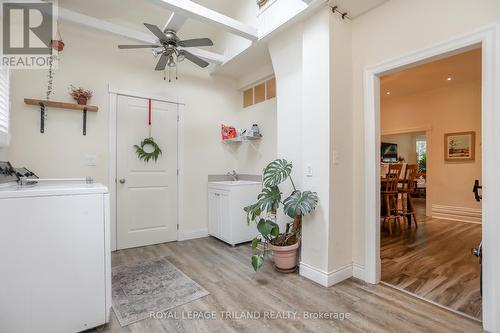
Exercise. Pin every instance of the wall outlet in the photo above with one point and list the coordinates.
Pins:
(91, 160)
(309, 170)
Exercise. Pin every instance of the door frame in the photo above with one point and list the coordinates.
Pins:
(489, 39)
(113, 113)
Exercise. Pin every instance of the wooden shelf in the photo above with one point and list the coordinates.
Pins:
(60, 105)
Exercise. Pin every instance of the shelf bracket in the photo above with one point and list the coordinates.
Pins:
(85, 121)
(42, 118)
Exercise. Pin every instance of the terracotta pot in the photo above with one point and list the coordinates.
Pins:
(285, 257)
(58, 45)
(82, 100)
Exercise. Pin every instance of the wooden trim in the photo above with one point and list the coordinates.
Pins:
(60, 105)
(248, 98)
(271, 88)
(260, 93)
(472, 146)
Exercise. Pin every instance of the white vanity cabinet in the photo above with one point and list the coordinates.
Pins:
(226, 218)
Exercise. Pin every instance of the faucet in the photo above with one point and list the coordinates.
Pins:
(233, 175)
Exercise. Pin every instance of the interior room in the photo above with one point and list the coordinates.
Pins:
(249, 165)
(433, 219)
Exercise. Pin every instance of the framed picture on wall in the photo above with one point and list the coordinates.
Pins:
(459, 146)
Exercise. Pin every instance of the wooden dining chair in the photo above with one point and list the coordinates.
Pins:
(406, 190)
(390, 195)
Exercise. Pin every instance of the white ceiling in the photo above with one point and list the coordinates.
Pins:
(461, 68)
(133, 13)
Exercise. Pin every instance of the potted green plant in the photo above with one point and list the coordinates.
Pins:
(284, 245)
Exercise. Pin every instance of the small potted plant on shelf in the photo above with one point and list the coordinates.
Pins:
(284, 245)
(81, 95)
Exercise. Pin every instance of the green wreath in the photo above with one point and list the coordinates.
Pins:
(144, 155)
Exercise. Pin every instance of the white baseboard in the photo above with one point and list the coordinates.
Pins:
(326, 279)
(462, 214)
(358, 271)
(186, 235)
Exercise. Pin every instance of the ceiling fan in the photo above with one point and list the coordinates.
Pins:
(169, 48)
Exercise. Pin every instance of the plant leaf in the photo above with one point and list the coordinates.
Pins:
(269, 199)
(253, 211)
(257, 261)
(300, 203)
(277, 172)
(267, 227)
(255, 243)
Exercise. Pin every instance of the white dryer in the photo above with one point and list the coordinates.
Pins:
(55, 255)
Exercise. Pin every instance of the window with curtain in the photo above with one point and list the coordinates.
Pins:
(4, 105)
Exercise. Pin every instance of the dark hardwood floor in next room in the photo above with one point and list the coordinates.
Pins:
(233, 286)
(435, 262)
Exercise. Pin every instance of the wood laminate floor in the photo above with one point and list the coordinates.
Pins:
(435, 262)
(233, 285)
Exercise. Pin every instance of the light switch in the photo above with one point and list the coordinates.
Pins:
(309, 170)
(336, 158)
(91, 160)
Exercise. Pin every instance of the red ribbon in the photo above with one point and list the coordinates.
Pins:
(149, 115)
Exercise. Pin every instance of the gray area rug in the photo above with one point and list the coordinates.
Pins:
(153, 285)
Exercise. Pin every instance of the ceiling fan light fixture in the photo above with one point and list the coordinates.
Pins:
(158, 51)
(181, 57)
(171, 62)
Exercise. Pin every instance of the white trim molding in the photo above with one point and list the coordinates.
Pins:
(461, 214)
(489, 39)
(358, 271)
(326, 279)
(194, 234)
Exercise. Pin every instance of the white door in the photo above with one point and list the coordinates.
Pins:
(213, 213)
(146, 192)
(224, 217)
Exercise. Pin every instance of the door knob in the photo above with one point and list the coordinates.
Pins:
(122, 181)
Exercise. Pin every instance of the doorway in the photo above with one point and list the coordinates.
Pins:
(484, 38)
(428, 252)
(146, 192)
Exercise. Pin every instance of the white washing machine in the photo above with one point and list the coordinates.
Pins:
(55, 255)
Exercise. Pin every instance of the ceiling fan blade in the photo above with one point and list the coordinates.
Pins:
(137, 46)
(191, 57)
(162, 63)
(157, 32)
(196, 42)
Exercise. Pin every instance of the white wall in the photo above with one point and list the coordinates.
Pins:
(253, 156)
(420, 24)
(286, 55)
(341, 170)
(92, 60)
(313, 122)
(4, 156)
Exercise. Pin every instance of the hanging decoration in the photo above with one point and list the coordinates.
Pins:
(58, 46)
(148, 149)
